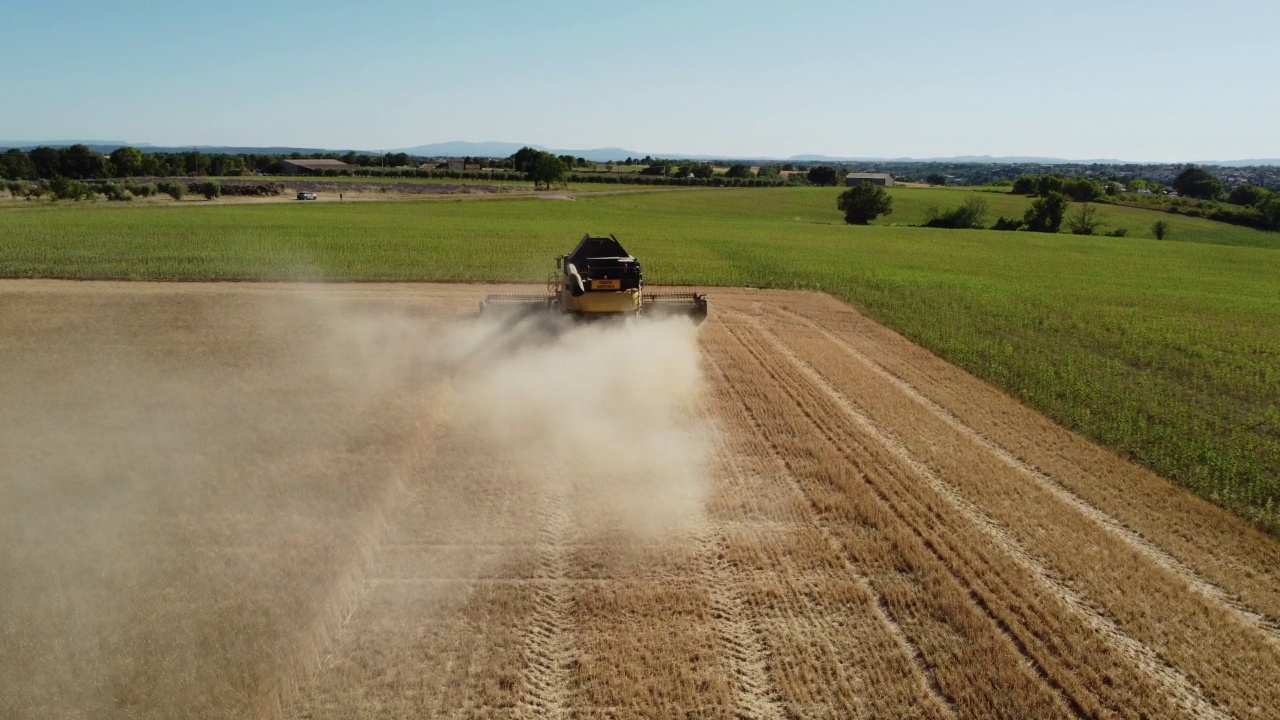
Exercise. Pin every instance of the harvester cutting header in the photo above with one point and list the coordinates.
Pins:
(600, 279)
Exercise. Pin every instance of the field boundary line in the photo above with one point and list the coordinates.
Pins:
(1152, 552)
(1184, 692)
(923, 678)
(549, 644)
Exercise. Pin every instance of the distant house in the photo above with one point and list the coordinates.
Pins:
(458, 165)
(312, 167)
(884, 179)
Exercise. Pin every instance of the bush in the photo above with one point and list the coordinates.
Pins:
(114, 192)
(211, 190)
(1085, 221)
(142, 189)
(1045, 213)
(175, 190)
(1007, 224)
(1160, 228)
(863, 203)
(1118, 232)
(18, 188)
(61, 188)
(969, 215)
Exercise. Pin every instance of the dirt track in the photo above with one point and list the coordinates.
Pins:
(258, 500)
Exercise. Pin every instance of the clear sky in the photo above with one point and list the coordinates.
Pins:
(1172, 80)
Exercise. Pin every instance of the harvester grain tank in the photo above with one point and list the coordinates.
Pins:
(600, 279)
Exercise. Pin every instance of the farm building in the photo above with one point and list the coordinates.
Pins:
(459, 165)
(884, 179)
(311, 167)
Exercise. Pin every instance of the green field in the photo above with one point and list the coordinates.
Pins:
(522, 184)
(1167, 351)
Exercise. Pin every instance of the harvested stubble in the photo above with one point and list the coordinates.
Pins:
(881, 534)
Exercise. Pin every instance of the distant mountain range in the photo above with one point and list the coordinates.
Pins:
(605, 154)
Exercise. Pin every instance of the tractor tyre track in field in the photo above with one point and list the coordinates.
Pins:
(754, 695)
(549, 645)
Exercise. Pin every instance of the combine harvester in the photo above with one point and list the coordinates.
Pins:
(599, 279)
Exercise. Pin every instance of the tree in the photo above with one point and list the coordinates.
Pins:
(523, 158)
(1045, 213)
(739, 170)
(45, 160)
(1085, 220)
(174, 190)
(1270, 209)
(546, 169)
(823, 175)
(79, 162)
(699, 170)
(660, 167)
(126, 162)
(17, 165)
(1195, 182)
(863, 203)
(1026, 185)
(936, 179)
(1251, 195)
(1046, 184)
(1159, 228)
(1082, 189)
(211, 190)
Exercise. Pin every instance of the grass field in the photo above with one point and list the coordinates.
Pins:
(346, 501)
(1166, 351)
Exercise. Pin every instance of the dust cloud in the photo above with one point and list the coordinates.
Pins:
(194, 482)
(604, 415)
(184, 488)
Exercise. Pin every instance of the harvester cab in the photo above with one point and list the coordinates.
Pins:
(599, 279)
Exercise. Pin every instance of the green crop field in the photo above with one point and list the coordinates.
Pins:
(1167, 351)
(389, 180)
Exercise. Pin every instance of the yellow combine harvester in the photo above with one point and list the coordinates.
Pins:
(599, 279)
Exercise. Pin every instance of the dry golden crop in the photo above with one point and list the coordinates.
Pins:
(355, 501)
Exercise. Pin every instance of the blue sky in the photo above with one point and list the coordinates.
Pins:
(1150, 81)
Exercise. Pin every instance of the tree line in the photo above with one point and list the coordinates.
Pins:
(1194, 192)
(80, 162)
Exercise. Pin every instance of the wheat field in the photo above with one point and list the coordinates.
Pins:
(358, 501)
